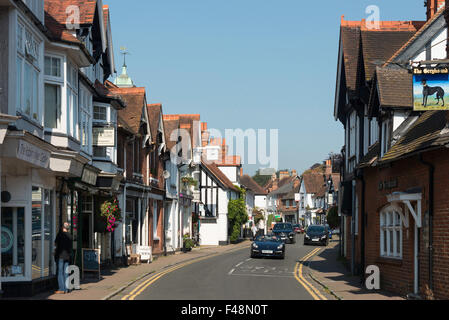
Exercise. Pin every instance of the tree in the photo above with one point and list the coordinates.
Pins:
(261, 180)
(332, 218)
(237, 214)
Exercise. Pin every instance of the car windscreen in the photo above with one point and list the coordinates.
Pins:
(267, 238)
(282, 226)
(315, 229)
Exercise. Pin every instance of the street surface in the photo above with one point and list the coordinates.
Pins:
(234, 276)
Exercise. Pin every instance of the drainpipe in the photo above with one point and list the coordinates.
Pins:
(362, 221)
(431, 208)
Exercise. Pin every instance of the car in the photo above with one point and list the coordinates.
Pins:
(285, 232)
(268, 246)
(297, 228)
(317, 234)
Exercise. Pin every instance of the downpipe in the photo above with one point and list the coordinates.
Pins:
(431, 209)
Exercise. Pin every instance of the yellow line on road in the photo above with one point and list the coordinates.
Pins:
(144, 285)
(315, 293)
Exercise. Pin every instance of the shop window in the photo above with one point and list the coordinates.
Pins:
(13, 242)
(42, 233)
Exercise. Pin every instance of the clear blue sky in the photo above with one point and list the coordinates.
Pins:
(247, 64)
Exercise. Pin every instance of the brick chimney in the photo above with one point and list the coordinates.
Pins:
(328, 167)
(294, 173)
(433, 6)
(283, 174)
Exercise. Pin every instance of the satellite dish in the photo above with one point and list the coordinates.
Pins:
(166, 174)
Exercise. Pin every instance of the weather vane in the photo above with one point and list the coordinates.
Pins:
(124, 51)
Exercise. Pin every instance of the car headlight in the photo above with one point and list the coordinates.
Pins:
(307, 237)
(280, 246)
(255, 246)
(323, 237)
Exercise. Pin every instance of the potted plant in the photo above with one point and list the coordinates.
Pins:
(111, 212)
(188, 243)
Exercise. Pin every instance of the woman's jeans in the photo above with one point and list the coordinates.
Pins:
(62, 275)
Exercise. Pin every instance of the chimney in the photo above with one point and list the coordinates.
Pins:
(328, 167)
(283, 174)
(294, 173)
(433, 6)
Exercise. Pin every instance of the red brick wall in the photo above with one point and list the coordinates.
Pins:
(397, 276)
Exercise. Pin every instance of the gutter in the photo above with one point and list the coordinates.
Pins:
(431, 209)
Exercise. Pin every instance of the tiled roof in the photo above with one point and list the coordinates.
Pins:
(105, 92)
(370, 157)
(169, 127)
(212, 168)
(395, 87)
(379, 46)
(283, 190)
(57, 9)
(350, 37)
(428, 132)
(313, 182)
(154, 115)
(336, 179)
(249, 183)
(135, 102)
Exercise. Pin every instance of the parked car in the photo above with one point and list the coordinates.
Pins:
(268, 246)
(285, 232)
(317, 234)
(297, 228)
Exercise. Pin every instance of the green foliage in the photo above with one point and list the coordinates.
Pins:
(237, 214)
(261, 180)
(270, 220)
(188, 242)
(332, 218)
(258, 215)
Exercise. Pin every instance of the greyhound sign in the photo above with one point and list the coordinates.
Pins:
(431, 89)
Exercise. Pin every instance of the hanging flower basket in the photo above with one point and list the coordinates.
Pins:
(110, 210)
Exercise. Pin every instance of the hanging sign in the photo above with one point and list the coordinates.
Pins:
(32, 154)
(430, 88)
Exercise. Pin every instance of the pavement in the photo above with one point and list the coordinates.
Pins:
(329, 271)
(114, 281)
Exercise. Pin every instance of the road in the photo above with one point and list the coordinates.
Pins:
(233, 276)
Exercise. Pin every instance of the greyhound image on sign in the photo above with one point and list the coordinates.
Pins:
(430, 90)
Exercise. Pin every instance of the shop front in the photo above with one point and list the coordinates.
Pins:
(28, 216)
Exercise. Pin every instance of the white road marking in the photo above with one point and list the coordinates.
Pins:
(230, 272)
(240, 264)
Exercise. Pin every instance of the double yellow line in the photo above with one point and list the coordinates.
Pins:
(144, 285)
(315, 293)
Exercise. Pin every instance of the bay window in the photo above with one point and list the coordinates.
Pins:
(86, 120)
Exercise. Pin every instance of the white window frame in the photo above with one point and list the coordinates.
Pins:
(391, 222)
(107, 113)
(85, 119)
(57, 81)
(72, 100)
(30, 53)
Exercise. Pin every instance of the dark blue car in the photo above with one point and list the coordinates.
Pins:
(268, 246)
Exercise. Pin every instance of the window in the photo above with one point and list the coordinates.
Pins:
(53, 67)
(42, 233)
(390, 234)
(100, 152)
(13, 242)
(155, 220)
(52, 113)
(287, 203)
(72, 101)
(386, 137)
(86, 120)
(100, 113)
(28, 74)
(374, 131)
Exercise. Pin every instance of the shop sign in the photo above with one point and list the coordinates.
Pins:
(89, 177)
(430, 88)
(103, 137)
(145, 253)
(32, 154)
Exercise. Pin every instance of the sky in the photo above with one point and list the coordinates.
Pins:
(247, 64)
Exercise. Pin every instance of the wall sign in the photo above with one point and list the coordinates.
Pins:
(89, 177)
(430, 89)
(103, 137)
(32, 154)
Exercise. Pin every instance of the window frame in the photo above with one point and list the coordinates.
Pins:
(56, 81)
(390, 222)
